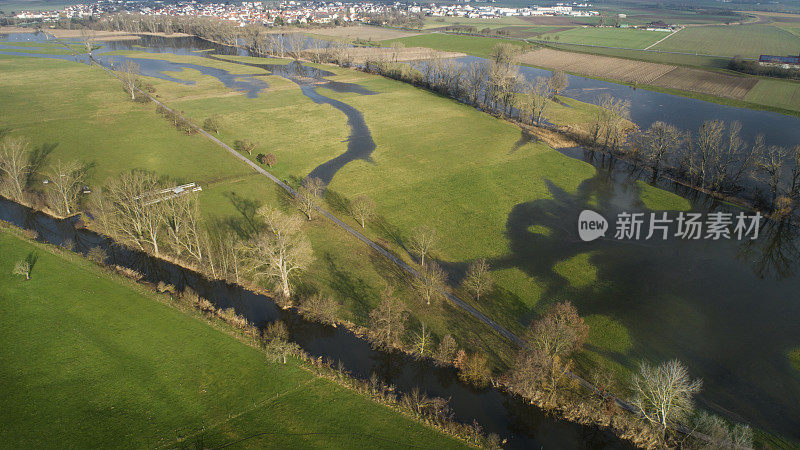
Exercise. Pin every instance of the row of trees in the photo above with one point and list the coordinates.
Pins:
(716, 158)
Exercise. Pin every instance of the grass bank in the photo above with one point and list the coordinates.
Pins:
(91, 359)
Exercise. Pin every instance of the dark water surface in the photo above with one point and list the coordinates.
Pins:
(523, 425)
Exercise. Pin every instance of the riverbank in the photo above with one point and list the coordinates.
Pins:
(92, 329)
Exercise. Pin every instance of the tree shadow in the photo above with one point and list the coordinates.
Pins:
(247, 209)
(31, 259)
(355, 290)
(37, 160)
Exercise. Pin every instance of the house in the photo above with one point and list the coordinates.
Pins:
(784, 62)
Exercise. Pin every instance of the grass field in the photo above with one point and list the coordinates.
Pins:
(743, 40)
(473, 45)
(608, 37)
(408, 181)
(646, 55)
(115, 366)
(778, 93)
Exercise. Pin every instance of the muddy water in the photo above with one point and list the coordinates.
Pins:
(523, 425)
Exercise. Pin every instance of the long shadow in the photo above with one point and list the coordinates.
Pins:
(710, 304)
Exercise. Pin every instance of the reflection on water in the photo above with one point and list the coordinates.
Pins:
(725, 308)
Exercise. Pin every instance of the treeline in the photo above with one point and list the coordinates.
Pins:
(754, 68)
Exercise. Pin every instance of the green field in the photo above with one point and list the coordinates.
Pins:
(748, 41)
(406, 179)
(473, 45)
(116, 366)
(607, 37)
(777, 93)
(701, 61)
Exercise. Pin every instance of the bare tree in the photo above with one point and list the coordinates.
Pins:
(504, 53)
(478, 280)
(446, 350)
(88, 41)
(127, 209)
(720, 434)
(181, 218)
(129, 75)
(422, 341)
(474, 81)
(659, 140)
(279, 252)
(321, 308)
(15, 167)
(431, 282)
(770, 168)
(308, 196)
(387, 321)
(423, 240)
(560, 332)
(296, 42)
(473, 368)
(277, 343)
(558, 82)
(664, 394)
(65, 182)
(363, 209)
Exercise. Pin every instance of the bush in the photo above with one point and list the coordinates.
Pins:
(473, 369)
(321, 308)
(97, 254)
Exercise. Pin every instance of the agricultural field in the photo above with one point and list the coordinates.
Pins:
(363, 32)
(117, 366)
(647, 55)
(748, 41)
(607, 37)
(629, 71)
(777, 93)
(441, 22)
(472, 45)
(706, 82)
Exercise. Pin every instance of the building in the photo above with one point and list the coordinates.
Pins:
(784, 62)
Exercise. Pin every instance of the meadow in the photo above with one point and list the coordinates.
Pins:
(412, 177)
(117, 365)
(607, 37)
(473, 45)
(748, 41)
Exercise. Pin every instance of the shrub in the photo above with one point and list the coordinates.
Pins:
(473, 368)
(97, 254)
(321, 308)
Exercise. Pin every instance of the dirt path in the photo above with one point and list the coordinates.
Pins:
(660, 40)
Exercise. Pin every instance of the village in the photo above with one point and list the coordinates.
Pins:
(300, 12)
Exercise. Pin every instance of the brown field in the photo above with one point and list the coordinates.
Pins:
(363, 32)
(361, 54)
(626, 70)
(553, 20)
(640, 72)
(78, 34)
(705, 82)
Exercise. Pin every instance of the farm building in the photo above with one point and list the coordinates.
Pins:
(786, 62)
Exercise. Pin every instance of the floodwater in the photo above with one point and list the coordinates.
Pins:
(683, 112)
(729, 309)
(360, 144)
